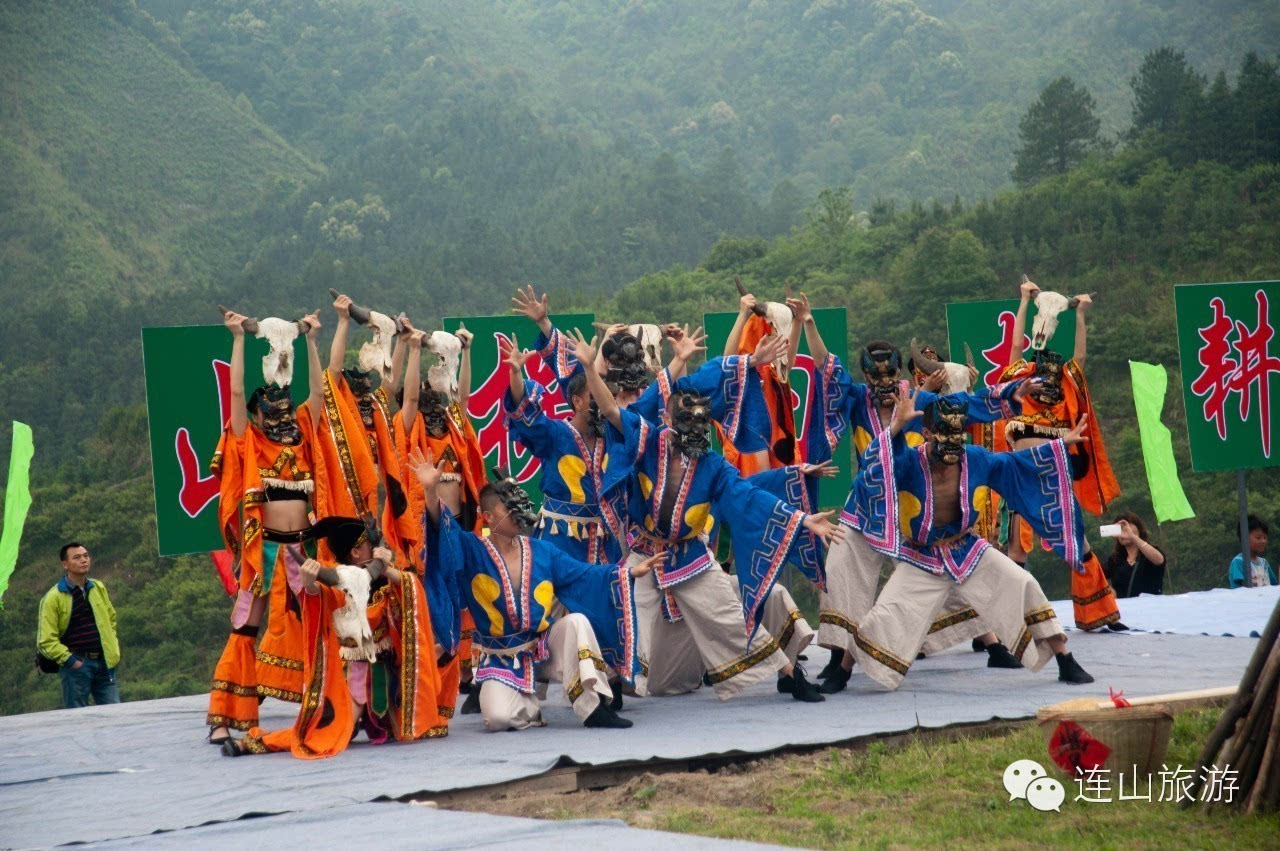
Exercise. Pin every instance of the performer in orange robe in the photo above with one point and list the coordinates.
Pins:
(439, 427)
(1057, 403)
(752, 325)
(265, 466)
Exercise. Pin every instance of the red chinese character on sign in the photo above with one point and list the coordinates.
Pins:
(1221, 375)
(198, 491)
(485, 407)
(998, 355)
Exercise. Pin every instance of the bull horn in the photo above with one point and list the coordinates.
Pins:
(301, 325)
(969, 359)
(920, 362)
(1025, 279)
(601, 326)
(1073, 303)
(401, 321)
(758, 310)
(358, 313)
(250, 326)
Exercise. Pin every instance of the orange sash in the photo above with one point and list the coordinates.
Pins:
(777, 397)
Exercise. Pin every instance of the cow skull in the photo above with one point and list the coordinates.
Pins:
(277, 365)
(443, 374)
(1049, 308)
(780, 318)
(959, 376)
(650, 337)
(376, 353)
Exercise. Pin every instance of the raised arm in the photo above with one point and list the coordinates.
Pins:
(239, 414)
(1028, 290)
(515, 359)
(585, 353)
(804, 317)
(315, 372)
(1083, 303)
(400, 353)
(412, 381)
(464, 368)
(746, 304)
(338, 348)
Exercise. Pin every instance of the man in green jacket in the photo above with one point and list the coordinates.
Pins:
(78, 631)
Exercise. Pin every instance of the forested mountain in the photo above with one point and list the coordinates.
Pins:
(158, 157)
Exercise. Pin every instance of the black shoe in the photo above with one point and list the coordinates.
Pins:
(233, 747)
(603, 716)
(798, 687)
(1117, 627)
(467, 686)
(615, 705)
(835, 684)
(998, 656)
(1069, 670)
(218, 741)
(921, 655)
(978, 646)
(833, 665)
(471, 706)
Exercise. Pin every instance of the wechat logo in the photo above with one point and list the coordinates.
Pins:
(1027, 779)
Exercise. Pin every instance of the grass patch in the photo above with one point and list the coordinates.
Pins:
(921, 793)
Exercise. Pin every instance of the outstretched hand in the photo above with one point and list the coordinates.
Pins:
(1029, 290)
(821, 525)
(648, 564)
(527, 303)
(512, 355)
(427, 473)
(904, 409)
(342, 304)
(826, 470)
(584, 352)
(688, 343)
(768, 350)
(464, 336)
(1076, 435)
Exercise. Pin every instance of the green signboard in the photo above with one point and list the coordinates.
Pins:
(832, 323)
(489, 381)
(987, 326)
(1230, 364)
(188, 375)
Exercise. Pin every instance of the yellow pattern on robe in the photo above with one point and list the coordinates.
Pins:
(908, 510)
(698, 518)
(862, 439)
(545, 594)
(572, 469)
(487, 591)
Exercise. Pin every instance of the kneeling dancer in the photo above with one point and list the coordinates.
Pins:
(509, 583)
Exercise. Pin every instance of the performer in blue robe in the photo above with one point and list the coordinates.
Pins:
(692, 624)
(919, 504)
(510, 583)
(852, 567)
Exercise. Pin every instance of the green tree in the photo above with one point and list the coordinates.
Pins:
(1166, 92)
(1057, 132)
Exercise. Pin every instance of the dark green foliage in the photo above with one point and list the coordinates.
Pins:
(1059, 130)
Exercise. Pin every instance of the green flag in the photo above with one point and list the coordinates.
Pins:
(17, 499)
(1167, 498)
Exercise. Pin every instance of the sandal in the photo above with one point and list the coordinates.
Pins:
(218, 741)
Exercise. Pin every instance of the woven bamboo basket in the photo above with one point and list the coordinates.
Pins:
(1137, 736)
